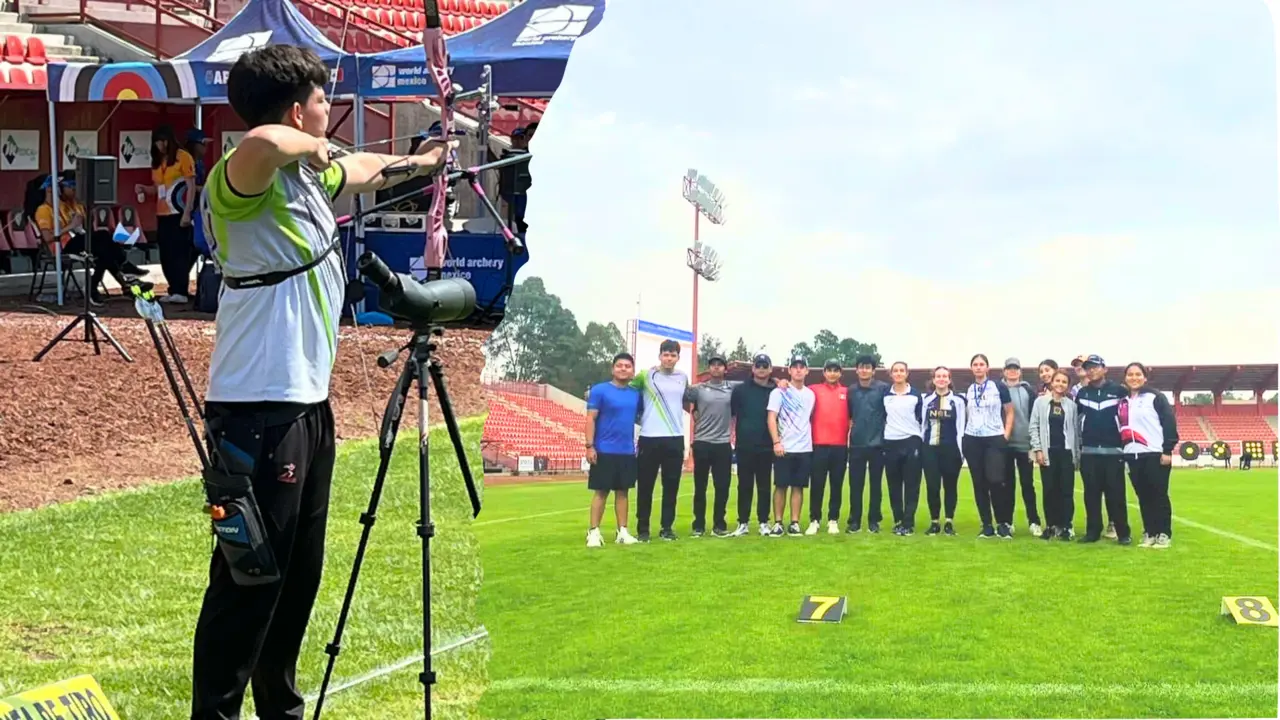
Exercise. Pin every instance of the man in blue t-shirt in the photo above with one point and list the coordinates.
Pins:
(611, 447)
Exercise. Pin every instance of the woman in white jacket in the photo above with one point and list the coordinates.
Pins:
(1055, 443)
(1149, 433)
(942, 424)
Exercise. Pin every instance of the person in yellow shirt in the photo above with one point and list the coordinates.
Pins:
(74, 230)
(173, 185)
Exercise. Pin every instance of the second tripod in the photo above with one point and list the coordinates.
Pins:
(420, 363)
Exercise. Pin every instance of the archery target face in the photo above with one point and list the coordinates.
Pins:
(176, 195)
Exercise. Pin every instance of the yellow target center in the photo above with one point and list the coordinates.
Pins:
(127, 94)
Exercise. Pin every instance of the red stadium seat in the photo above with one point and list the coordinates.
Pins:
(416, 5)
(500, 8)
(446, 23)
(416, 21)
(468, 7)
(36, 54)
(14, 51)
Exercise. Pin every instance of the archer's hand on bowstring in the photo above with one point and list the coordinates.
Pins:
(432, 155)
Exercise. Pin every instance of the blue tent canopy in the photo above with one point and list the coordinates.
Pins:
(527, 47)
(201, 72)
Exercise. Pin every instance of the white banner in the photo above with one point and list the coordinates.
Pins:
(525, 464)
(230, 139)
(76, 143)
(135, 149)
(19, 149)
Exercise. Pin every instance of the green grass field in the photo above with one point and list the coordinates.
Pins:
(112, 585)
(936, 626)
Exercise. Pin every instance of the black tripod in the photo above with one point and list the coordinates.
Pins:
(420, 362)
(92, 325)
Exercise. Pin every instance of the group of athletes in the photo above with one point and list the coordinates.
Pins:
(793, 436)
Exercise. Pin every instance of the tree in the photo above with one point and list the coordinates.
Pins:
(708, 345)
(740, 352)
(826, 346)
(539, 341)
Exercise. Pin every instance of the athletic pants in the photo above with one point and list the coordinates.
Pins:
(1104, 475)
(177, 253)
(654, 455)
(991, 492)
(1020, 460)
(828, 463)
(1151, 484)
(755, 470)
(251, 634)
(941, 465)
(1059, 481)
(862, 459)
(715, 459)
(902, 469)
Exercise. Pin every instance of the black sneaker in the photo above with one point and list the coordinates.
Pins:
(1048, 534)
(1003, 532)
(1126, 540)
(642, 537)
(697, 532)
(934, 528)
(948, 528)
(777, 530)
(1090, 538)
(1065, 534)
(907, 531)
(667, 535)
(873, 527)
(854, 528)
(987, 532)
(720, 532)
(794, 529)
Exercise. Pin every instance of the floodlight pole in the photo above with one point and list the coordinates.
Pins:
(706, 200)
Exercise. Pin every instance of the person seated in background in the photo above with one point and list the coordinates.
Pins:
(74, 227)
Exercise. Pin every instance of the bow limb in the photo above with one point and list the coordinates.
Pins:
(437, 59)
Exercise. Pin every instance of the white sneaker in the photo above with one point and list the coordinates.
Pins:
(1110, 532)
(764, 529)
(1147, 541)
(593, 538)
(812, 529)
(833, 527)
(624, 537)
(742, 529)
(1162, 541)
(1034, 529)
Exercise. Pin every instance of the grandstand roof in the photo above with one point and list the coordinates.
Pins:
(1171, 378)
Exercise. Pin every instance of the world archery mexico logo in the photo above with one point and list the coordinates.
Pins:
(9, 149)
(71, 150)
(563, 23)
(127, 149)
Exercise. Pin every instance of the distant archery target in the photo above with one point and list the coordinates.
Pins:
(128, 81)
(1189, 451)
(1254, 448)
(1220, 450)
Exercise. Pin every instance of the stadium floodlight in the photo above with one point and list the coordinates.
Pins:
(708, 201)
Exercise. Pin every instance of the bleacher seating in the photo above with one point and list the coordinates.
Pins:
(22, 63)
(378, 25)
(518, 431)
(1232, 424)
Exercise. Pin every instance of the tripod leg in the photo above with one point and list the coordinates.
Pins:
(451, 422)
(426, 529)
(387, 440)
(57, 339)
(110, 338)
(89, 335)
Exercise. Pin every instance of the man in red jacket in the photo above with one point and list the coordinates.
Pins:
(830, 447)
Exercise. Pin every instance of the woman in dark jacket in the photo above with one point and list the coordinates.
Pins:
(1149, 433)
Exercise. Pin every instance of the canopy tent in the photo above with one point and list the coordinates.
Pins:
(201, 72)
(528, 47)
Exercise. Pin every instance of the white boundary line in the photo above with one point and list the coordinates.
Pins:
(586, 509)
(761, 686)
(1200, 526)
(479, 634)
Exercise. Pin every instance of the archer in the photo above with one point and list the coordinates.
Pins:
(269, 219)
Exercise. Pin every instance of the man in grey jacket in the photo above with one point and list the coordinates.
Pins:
(709, 403)
(1023, 397)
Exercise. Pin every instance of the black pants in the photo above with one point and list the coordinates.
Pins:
(1020, 461)
(1059, 481)
(715, 459)
(991, 490)
(755, 476)
(177, 253)
(1151, 484)
(902, 470)
(1103, 475)
(658, 454)
(862, 459)
(828, 465)
(107, 256)
(941, 465)
(251, 634)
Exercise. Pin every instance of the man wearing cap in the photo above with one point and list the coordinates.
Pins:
(866, 443)
(791, 429)
(749, 404)
(1101, 461)
(830, 447)
(1023, 397)
(709, 402)
(1082, 379)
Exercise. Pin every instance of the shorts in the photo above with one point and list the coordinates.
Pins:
(792, 470)
(612, 472)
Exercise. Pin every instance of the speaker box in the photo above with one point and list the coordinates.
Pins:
(514, 179)
(96, 180)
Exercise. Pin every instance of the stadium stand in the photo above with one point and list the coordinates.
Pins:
(524, 421)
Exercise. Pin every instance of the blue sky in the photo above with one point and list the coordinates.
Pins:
(938, 177)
